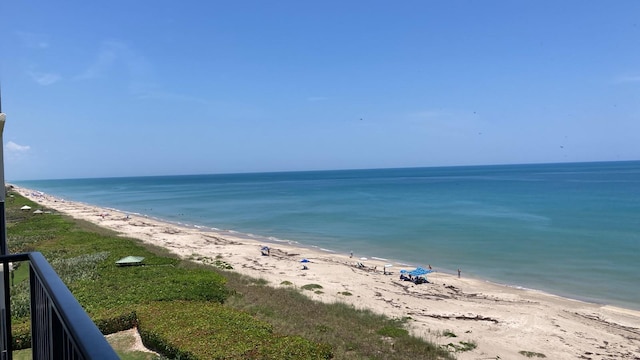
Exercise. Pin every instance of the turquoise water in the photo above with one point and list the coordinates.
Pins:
(569, 229)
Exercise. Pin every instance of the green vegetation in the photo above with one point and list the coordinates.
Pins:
(462, 346)
(448, 333)
(531, 354)
(393, 331)
(122, 343)
(311, 287)
(189, 310)
(220, 264)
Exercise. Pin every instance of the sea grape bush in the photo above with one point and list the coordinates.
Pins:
(83, 267)
(230, 334)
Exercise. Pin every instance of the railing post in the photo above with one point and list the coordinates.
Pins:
(60, 327)
(5, 317)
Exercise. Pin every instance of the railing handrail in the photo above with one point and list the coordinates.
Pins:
(86, 335)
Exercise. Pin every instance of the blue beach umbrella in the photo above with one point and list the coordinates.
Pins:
(420, 271)
(304, 260)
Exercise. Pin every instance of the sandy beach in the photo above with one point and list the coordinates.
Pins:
(502, 321)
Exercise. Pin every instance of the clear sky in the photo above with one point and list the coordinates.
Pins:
(134, 88)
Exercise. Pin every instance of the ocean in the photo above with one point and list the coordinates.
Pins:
(570, 229)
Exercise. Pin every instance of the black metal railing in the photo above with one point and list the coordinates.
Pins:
(60, 328)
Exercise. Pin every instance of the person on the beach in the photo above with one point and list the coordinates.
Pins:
(458, 273)
(351, 254)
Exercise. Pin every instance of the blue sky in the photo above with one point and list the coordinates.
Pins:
(134, 88)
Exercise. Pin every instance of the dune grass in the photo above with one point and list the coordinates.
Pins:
(192, 311)
(354, 334)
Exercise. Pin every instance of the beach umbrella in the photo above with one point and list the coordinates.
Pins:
(38, 212)
(388, 265)
(304, 261)
(420, 271)
(26, 207)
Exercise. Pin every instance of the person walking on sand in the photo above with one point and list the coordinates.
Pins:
(458, 273)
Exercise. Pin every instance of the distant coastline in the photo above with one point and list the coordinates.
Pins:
(315, 171)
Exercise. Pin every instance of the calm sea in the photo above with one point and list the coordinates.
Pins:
(568, 229)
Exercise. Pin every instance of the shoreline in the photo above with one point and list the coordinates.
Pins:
(501, 319)
(275, 241)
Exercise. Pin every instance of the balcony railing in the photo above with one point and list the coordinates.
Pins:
(60, 328)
